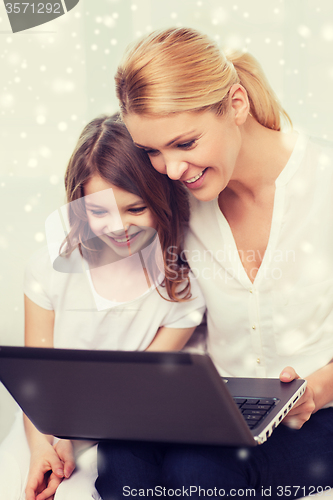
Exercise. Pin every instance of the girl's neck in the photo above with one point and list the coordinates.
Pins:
(120, 281)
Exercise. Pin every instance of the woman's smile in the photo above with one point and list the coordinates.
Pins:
(196, 181)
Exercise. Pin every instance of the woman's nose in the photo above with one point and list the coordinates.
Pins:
(175, 169)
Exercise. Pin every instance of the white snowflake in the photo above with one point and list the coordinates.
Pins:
(39, 237)
(62, 126)
(40, 119)
(33, 162)
(304, 31)
(54, 179)
(327, 32)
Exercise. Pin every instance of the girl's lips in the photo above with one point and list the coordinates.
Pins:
(196, 184)
(127, 241)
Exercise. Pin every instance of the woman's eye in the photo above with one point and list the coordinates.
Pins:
(152, 152)
(186, 145)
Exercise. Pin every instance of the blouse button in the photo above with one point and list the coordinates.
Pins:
(253, 327)
(258, 361)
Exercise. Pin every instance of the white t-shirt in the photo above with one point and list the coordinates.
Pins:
(79, 324)
(286, 316)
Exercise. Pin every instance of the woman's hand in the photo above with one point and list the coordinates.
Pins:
(304, 407)
(48, 467)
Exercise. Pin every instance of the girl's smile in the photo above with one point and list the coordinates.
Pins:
(117, 217)
(126, 239)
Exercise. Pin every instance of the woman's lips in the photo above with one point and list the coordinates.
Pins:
(194, 184)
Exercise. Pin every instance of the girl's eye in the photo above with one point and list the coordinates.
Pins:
(137, 210)
(187, 145)
(98, 213)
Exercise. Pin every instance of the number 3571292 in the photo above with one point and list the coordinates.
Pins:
(32, 7)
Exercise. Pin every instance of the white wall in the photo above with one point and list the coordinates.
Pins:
(56, 77)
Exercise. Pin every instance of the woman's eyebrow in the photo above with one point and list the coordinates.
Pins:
(185, 134)
(134, 204)
(181, 136)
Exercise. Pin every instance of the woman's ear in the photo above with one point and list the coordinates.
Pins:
(239, 103)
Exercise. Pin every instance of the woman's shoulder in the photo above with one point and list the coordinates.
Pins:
(321, 149)
(316, 164)
(320, 142)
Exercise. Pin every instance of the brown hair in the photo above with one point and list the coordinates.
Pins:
(180, 69)
(105, 148)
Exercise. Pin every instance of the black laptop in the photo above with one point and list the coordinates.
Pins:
(146, 396)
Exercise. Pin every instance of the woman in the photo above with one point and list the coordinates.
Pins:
(260, 243)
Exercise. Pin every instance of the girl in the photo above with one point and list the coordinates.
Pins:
(132, 293)
(261, 210)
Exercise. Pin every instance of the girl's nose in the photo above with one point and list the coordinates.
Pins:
(113, 223)
(175, 169)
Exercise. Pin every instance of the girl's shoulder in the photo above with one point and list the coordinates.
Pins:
(43, 261)
(197, 298)
(42, 278)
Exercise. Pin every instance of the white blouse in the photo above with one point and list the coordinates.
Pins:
(285, 317)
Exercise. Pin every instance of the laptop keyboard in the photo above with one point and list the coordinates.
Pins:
(254, 410)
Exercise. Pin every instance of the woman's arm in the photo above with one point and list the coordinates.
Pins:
(170, 339)
(45, 459)
(318, 393)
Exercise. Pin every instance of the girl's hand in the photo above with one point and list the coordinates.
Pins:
(48, 466)
(304, 407)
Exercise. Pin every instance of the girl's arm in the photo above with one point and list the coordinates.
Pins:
(39, 325)
(170, 339)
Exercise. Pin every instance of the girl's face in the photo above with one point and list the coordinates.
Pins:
(119, 218)
(198, 148)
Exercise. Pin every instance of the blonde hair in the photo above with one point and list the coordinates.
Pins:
(181, 69)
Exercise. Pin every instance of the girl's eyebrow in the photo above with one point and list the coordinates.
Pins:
(170, 142)
(90, 204)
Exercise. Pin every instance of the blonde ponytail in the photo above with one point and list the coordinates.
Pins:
(181, 69)
(264, 105)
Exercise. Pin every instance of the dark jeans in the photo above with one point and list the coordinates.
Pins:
(291, 464)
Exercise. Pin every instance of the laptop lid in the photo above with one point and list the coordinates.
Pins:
(147, 396)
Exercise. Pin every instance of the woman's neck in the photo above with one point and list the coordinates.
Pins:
(262, 157)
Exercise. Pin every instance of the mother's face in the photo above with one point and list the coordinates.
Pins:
(198, 148)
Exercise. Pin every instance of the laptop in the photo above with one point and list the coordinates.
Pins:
(146, 396)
